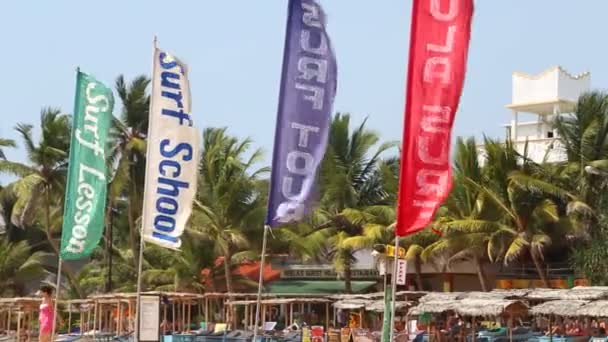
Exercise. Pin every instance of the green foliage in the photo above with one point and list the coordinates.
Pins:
(584, 136)
(230, 205)
(590, 261)
(356, 203)
(127, 155)
(18, 265)
(507, 209)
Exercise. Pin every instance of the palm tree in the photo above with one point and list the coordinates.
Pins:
(45, 178)
(7, 203)
(7, 198)
(18, 265)
(376, 221)
(464, 204)
(583, 137)
(179, 271)
(128, 152)
(6, 143)
(351, 179)
(378, 227)
(93, 277)
(42, 181)
(230, 202)
(415, 246)
(515, 212)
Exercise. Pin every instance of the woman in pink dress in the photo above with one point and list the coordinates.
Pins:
(46, 315)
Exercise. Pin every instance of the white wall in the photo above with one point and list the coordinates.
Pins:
(539, 149)
(570, 89)
(533, 89)
(364, 258)
(548, 86)
(528, 131)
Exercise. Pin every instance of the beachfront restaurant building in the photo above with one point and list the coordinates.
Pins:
(294, 277)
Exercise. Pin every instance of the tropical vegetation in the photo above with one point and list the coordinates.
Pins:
(504, 209)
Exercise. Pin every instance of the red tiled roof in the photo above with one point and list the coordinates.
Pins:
(251, 271)
(247, 269)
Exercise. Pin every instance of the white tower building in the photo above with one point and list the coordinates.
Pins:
(538, 99)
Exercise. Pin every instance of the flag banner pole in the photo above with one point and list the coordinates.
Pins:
(439, 44)
(86, 183)
(387, 306)
(405, 281)
(260, 283)
(394, 289)
(55, 305)
(306, 96)
(141, 230)
(173, 152)
(309, 81)
(139, 271)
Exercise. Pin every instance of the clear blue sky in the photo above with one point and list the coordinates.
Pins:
(234, 50)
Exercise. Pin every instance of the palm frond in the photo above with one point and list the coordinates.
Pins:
(516, 248)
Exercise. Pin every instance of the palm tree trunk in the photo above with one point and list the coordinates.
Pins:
(131, 215)
(418, 270)
(132, 237)
(481, 274)
(348, 287)
(109, 247)
(539, 269)
(107, 218)
(447, 279)
(227, 271)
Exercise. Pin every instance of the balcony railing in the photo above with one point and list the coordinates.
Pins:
(539, 150)
(528, 271)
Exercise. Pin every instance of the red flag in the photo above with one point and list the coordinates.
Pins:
(439, 44)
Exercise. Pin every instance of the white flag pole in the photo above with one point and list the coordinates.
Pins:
(405, 278)
(59, 266)
(139, 270)
(394, 289)
(384, 258)
(55, 305)
(141, 230)
(260, 284)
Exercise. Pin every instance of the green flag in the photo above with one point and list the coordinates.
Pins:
(85, 195)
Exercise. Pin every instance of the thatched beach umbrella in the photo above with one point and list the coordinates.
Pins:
(491, 307)
(562, 308)
(378, 306)
(558, 308)
(597, 309)
(577, 293)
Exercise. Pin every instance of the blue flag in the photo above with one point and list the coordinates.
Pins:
(308, 88)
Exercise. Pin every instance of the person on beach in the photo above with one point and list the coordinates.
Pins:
(46, 315)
